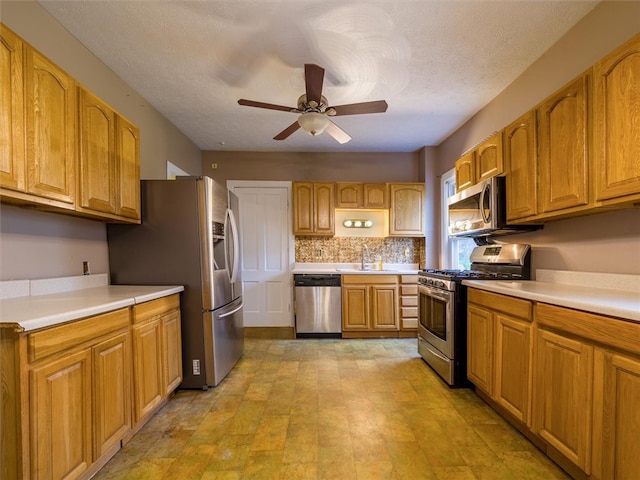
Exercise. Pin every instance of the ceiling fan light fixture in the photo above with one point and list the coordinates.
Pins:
(313, 123)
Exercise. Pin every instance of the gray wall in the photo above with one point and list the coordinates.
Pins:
(608, 242)
(40, 245)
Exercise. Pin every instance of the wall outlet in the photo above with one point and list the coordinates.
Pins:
(406, 252)
(318, 252)
(196, 367)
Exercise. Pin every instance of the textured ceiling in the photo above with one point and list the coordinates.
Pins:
(436, 63)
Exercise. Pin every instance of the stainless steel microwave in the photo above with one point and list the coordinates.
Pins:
(481, 211)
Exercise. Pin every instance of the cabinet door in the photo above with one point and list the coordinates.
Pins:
(563, 396)
(148, 389)
(616, 123)
(480, 347)
(111, 392)
(465, 171)
(520, 152)
(384, 307)
(489, 158)
(51, 129)
(97, 168)
(375, 195)
(302, 208)
(513, 366)
(127, 139)
(407, 209)
(12, 158)
(349, 195)
(323, 208)
(60, 408)
(620, 425)
(355, 307)
(563, 160)
(172, 351)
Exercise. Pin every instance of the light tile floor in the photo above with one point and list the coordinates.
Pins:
(329, 409)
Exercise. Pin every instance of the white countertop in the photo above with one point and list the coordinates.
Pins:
(355, 269)
(580, 294)
(31, 312)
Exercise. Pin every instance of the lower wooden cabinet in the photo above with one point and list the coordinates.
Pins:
(480, 347)
(564, 395)
(370, 305)
(73, 393)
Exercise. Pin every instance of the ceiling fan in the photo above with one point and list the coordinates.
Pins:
(314, 109)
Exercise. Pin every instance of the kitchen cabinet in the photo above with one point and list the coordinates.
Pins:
(466, 171)
(563, 162)
(520, 152)
(12, 152)
(407, 213)
(361, 195)
(313, 208)
(616, 421)
(409, 305)
(500, 350)
(369, 305)
(108, 168)
(616, 94)
(156, 354)
(563, 395)
(66, 150)
(489, 158)
(50, 104)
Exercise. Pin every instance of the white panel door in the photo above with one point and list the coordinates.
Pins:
(266, 277)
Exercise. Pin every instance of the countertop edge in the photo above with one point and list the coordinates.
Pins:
(613, 303)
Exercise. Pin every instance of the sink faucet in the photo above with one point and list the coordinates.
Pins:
(364, 265)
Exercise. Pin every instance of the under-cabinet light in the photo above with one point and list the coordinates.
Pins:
(357, 223)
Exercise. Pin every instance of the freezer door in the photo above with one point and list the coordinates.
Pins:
(224, 340)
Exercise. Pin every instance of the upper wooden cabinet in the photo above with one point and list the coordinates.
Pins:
(483, 162)
(109, 165)
(520, 152)
(62, 148)
(51, 145)
(489, 158)
(12, 153)
(563, 141)
(616, 80)
(407, 210)
(466, 171)
(313, 208)
(361, 195)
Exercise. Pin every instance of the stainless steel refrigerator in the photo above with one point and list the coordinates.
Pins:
(189, 236)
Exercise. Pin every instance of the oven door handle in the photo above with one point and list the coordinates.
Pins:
(436, 293)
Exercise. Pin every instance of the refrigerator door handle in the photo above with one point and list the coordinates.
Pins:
(232, 311)
(232, 263)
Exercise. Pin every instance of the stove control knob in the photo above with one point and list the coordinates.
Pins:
(439, 284)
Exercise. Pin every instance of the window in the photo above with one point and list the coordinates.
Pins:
(455, 252)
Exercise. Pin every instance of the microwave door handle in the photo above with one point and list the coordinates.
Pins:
(486, 190)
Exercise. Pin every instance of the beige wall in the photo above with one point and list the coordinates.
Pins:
(600, 243)
(347, 167)
(39, 245)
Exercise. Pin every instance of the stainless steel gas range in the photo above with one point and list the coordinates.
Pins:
(442, 305)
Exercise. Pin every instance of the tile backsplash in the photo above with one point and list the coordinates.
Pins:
(349, 250)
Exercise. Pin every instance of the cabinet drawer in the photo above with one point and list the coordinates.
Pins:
(409, 312)
(502, 303)
(411, 279)
(153, 308)
(411, 301)
(369, 279)
(46, 342)
(409, 289)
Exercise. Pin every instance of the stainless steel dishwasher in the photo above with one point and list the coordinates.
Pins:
(318, 305)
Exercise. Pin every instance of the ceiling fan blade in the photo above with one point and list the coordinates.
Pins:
(269, 106)
(287, 131)
(313, 78)
(336, 132)
(378, 106)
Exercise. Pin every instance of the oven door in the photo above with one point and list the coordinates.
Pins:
(435, 317)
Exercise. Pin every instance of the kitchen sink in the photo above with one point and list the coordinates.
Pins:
(367, 270)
